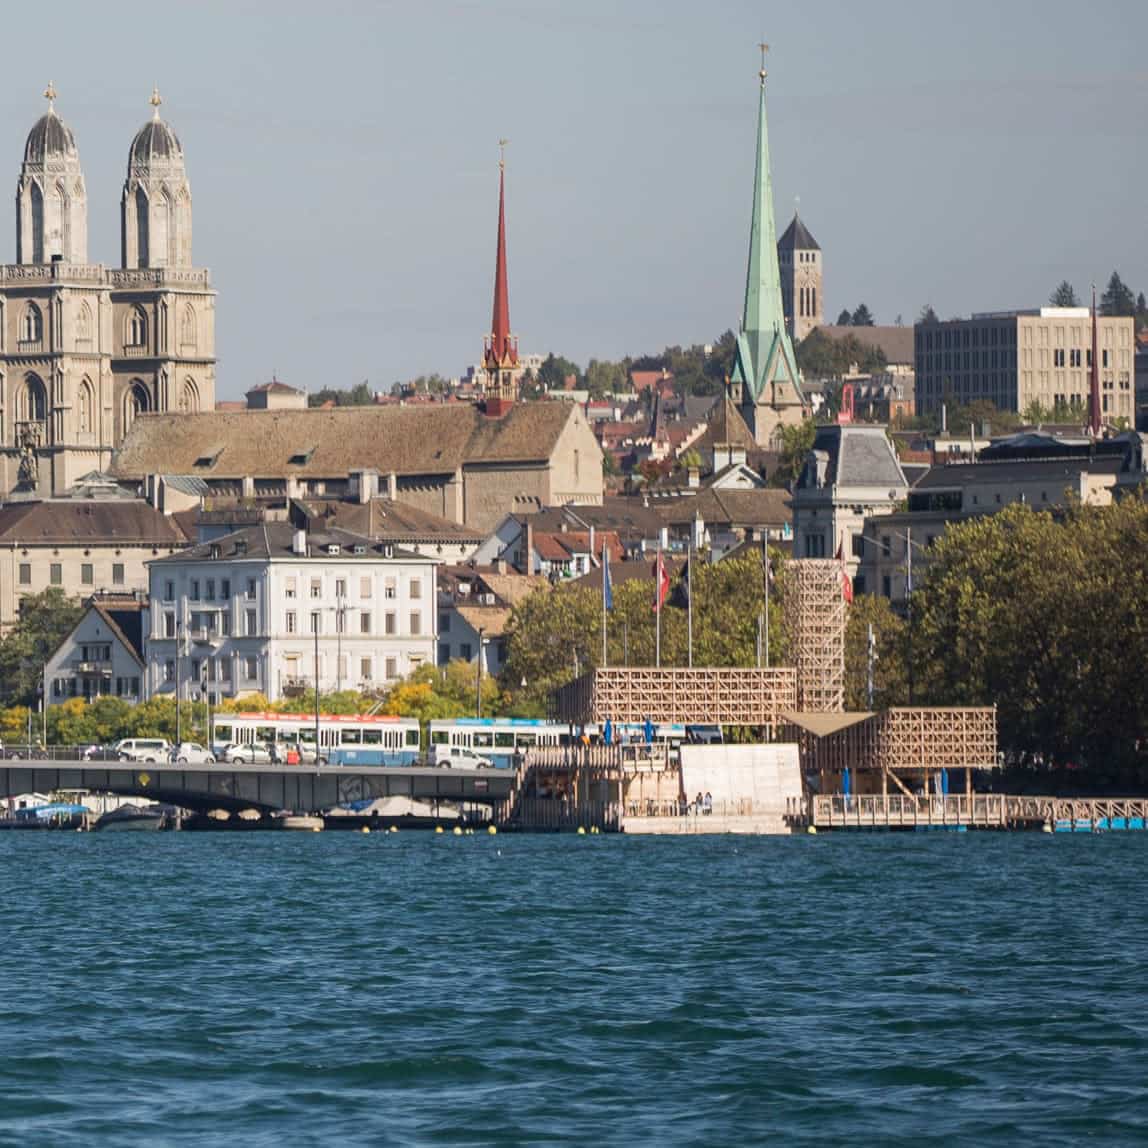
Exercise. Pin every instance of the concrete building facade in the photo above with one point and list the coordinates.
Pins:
(1016, 359)
(85, 349)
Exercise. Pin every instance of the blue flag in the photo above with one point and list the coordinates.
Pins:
(607, 589)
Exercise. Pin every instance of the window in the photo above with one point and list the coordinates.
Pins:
(365, 587)
(465, 651)
(365, 622)
(32, 326)
(169, 625)
(87, 574)
(887, 586)
(444, 623)
(365, 669)
(316, 588)
(225, 588)
(194, 595)
(137, 328)
(416, 622)
(251, 588)
(117, 573)
(224, 665)
(56, 574)
(392, 668)
(251, 669)
(340, 587)
(290, 586)
(169, 591)
(169, 670)
(292, 622)
(210, 590)
(1074, 357)
(390, 624)
(195, 669)
(25, 573)
(225, 623)
(1058, 358)
(416, 588)
(340, 621)
(315, 622)
(252, 624)
(389, 588)
(443, 653)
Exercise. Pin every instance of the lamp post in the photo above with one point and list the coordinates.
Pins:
(315, 618)
(478, 676)
(178, 675)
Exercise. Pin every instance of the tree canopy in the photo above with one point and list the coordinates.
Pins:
(359, 395)
(1118, 299)
(45, 621)
(820, 356)
(1064, 295)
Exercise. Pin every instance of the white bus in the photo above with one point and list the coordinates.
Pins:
(344, 739)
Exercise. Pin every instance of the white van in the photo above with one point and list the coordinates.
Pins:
(149, 749)
(458, 757)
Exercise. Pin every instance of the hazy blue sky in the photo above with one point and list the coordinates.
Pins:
(343, 161)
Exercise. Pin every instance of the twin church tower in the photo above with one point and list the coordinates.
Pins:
(85, 348)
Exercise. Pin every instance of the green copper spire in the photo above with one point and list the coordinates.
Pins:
(764, 351)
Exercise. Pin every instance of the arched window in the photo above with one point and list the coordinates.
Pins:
(37, 205)
(137, 401)
(85, 408)
(158, 254)
(141, 227)
(31, 400)
(84, 324)
(31, 324)
(189, 397)
(188, 333)
(136, 334)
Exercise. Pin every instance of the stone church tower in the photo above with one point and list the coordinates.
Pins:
(799, 257)
(764, 382)
(84, 349)
(500, 349)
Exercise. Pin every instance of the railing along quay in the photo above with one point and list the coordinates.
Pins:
(978, 811)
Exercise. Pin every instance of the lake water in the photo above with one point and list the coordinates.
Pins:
(281, 989)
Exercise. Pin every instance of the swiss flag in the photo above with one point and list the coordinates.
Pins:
(846, 581)
(661, 582)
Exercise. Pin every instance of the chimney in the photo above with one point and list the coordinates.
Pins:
(592, 551)
(694, 477)
(299, 543)
(393, 486)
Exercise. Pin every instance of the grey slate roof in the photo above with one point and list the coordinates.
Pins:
(797, 237)
(857, 455)
(155, 140)
(49, 136)
(275, 540)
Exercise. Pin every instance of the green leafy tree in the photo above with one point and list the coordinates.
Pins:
(1064, 295)
(45, 620)
(845, 319)
(1118, 298)
(359, 395)
(554, 371)
(863, 317)
(605, 378)
(820, 356)
(890, 634)
(796, 443)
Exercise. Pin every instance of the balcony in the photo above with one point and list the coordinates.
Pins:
(101, 668)
(204, 635)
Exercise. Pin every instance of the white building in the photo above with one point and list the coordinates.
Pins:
(102, 656)
(270, 609)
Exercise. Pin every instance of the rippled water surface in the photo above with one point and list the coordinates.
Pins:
(275, 989)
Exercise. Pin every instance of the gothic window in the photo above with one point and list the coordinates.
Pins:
(84, 324)
(136, 402)
(187, 327)
(136, 335)
(31, 401)
(189, 397)
(161, 221)
(31, 324)
(37, 204)
(85, 408)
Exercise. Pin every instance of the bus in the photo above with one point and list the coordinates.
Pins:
(344, 739)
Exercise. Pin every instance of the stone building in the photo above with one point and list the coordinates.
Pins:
(765, 382)
(84, 349)
(1015, 359)
(799, 257)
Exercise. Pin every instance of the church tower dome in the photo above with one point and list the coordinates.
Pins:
(51, 201)
(156, 202)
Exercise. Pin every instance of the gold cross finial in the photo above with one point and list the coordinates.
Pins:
(764, 48)
(502, 154)
(155, 101)
(50, 96)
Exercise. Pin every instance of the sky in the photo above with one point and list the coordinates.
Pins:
(343, 160)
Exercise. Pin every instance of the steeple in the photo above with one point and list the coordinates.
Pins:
(500, 356)
(765, 370)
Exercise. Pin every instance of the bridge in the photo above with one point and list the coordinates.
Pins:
(300, 788)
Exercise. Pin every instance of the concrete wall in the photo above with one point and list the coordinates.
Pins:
(750, 778)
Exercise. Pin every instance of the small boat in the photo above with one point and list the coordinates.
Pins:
(132, 818)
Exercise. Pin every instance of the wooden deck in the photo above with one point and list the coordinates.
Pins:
(978, 811)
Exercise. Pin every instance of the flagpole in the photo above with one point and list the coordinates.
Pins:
(658, 609)
(765, 644)
(605, 592)
(690, 605)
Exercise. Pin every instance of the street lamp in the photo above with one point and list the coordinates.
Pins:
(478, 676)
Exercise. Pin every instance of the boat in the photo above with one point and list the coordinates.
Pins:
(132, 818)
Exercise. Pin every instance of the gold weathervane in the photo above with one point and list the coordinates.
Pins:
(50, 95)
(156, 100)
(764, 48)
(502, 154)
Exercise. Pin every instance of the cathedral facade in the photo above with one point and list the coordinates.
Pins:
(85, 349)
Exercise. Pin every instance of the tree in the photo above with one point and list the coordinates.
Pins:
(449, 691)
(927, 315)
(1117, 298)
(796, 443)
(1064, 295)
(1141, 311)
(862, 317)
(845, 319)
(554, 371)
(45, 621)
(359, 395)
(890, 633)
(820, 356)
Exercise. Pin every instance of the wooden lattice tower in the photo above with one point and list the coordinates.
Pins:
(815, 631)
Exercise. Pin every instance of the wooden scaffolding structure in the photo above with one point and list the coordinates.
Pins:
(814, 621)
(728, 695)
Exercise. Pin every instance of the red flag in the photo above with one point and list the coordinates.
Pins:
(846, 581)
(661, 582)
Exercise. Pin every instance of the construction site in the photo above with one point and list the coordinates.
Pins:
(787, 742)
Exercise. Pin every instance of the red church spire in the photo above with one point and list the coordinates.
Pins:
(1094, 378)
(501, 354)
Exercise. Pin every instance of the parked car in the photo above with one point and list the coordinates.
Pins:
(191, 753)
(100, 753)
(456, 757)
(238, 753)
(149, 749)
